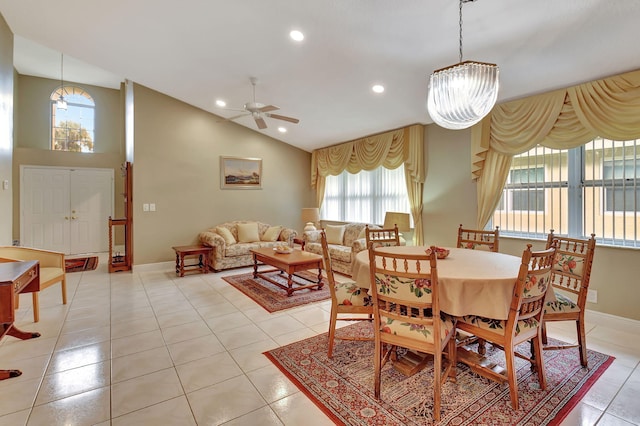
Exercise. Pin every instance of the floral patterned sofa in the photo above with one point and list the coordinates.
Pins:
(234, 240)
(345, 241)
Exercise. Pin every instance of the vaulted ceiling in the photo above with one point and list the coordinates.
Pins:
(199, 51)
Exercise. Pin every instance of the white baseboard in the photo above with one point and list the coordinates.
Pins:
(150, 267)
(614, 321)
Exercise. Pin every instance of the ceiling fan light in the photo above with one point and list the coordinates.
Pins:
(463, 94)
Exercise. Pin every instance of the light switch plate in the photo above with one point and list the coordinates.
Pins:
(152, 207)
(145, 207)
(5, 184)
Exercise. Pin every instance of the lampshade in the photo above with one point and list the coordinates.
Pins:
(461, 95)
(310, 215)
(397, 218)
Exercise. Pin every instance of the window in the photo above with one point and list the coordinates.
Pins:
(72, 129)
(365, 196)
(528, 199)
(594, 188)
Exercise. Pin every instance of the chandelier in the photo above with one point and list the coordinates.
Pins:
(461, 95)
(61, 103)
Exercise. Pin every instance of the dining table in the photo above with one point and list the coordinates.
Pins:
(471, 282)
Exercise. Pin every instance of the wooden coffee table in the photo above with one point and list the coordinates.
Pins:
(290, 263)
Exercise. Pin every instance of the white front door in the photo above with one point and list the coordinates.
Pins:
(66, 210)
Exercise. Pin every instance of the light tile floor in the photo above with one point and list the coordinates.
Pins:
(148, 348)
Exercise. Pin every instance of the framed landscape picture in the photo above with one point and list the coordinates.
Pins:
(240, 173)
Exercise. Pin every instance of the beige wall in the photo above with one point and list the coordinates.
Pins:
(177, 151)
(32, 143)
(449, 195)
(6, 129)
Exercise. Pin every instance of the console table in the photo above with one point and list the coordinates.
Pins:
(16, 278)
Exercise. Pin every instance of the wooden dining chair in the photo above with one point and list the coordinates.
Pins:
(523, 324)
(407, 315)
(382, 237)
(478, 239)
(570, 278)
(348, 301)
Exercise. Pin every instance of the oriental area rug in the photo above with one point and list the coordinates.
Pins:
(79, 264)
(342, 387)
(273, 298)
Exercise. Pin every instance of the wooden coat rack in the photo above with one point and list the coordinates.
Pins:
(123, 261)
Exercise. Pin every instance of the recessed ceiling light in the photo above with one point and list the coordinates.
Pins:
(378, 88)
(221, 103)
(296, 35)
(282, 129)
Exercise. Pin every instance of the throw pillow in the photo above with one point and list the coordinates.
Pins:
(272, 233)
(248, 232)
(335, 234)
(226, 234)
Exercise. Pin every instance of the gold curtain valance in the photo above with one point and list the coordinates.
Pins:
(390, 150)
(561, 119)
(385, 149)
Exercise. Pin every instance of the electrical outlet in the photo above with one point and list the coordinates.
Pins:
(592, 296)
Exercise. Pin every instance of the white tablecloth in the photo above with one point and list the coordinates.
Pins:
(472, 282)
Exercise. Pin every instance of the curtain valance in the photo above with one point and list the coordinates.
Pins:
(561, 119)
(390, 150)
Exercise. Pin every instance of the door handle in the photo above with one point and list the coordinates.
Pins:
(66, 218)
(73, 217)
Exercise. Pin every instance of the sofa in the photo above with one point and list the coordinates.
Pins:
(232, 242)
(344, 241)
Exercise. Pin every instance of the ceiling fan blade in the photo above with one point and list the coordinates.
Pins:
(234, 117)
(260, 122)
(283, 117)
(268, 108)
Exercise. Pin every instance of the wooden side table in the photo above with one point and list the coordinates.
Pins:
(202, 252)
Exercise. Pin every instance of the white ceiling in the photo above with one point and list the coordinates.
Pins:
(201, 50)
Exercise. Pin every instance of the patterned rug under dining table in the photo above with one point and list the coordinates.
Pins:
(472, 282)
(289, 263)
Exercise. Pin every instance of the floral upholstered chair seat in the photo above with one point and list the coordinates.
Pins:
(349, 294)
(498, 326)
(561, 304)
(405, 329)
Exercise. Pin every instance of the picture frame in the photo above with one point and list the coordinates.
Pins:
(240, 173)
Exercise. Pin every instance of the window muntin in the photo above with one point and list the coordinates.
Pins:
(594, 188)
(365, 196)
(72, 129)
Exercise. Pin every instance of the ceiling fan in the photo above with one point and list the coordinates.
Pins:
(259, 111)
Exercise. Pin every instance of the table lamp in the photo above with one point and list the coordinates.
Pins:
(310, 215)
(397, 218)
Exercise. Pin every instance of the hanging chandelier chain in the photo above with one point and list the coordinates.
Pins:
(460, 26)
(61, 74)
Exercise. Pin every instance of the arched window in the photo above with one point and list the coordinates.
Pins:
(72, 128)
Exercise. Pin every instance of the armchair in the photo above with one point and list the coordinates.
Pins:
(52, 270)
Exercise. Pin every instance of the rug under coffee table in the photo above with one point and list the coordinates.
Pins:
(288, 263)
